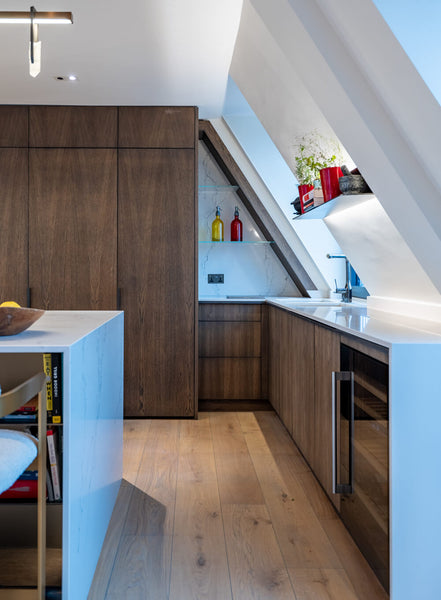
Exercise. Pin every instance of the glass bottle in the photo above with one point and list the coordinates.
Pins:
(217, 227)
(236, 227)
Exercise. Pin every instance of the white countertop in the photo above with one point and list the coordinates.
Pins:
(56, 330)
(352, 318)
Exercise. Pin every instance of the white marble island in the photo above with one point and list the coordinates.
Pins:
(91, 344)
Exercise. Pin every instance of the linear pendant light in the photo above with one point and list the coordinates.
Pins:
(35, 19)
(54, 18)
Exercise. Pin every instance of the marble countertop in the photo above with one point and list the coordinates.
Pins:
(352, 318)
(57, 330)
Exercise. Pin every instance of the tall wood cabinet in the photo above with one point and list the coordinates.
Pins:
(110, 195)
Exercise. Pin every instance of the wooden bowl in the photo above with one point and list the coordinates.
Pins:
(14, 320)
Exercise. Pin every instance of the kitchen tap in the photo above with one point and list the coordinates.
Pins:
(346, 292)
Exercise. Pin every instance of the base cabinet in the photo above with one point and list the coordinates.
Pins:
(326, 360)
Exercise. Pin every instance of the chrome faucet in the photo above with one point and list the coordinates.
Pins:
(346, 292)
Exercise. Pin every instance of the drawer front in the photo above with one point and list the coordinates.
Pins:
(229, 378)
(227, 339)
(229, 312)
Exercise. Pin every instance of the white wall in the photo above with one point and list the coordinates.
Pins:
(248, 268)
(298, 62)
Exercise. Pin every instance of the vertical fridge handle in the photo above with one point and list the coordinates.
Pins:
(337, 486)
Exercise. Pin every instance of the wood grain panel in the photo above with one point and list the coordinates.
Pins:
(73, 126)
(301, 341)
(229, 378)
(13, 127)
(257, 568)
(264, 361)
(322, 584)
(157, 126)
(228, 339)
(327, 359)
(302, 539)
(156, 242)
(72, 229)
(14, 225)
(274, 358)
(229, 312)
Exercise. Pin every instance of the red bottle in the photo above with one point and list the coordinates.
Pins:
(236, 227)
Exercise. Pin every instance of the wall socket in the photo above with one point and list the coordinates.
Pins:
(212, 278)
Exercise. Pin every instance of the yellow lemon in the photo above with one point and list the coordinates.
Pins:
(10, 303)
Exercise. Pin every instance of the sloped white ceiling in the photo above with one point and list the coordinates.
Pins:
(359, 80)
(142, 52)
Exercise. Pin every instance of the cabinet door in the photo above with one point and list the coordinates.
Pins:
(73, 126)
(72, 229)
(14, 225)
(157, 277)
(157, 127)
(274, 371)
(13, 127)
(302, 384)
(327, 359)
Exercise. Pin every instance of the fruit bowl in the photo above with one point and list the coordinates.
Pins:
(14, 320)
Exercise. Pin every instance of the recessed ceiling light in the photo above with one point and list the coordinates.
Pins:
(66, 78)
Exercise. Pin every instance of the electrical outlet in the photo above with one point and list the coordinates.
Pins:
(212, 278)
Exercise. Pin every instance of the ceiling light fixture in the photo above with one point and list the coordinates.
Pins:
(35, 19)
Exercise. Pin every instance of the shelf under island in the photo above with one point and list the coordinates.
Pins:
(90, 344)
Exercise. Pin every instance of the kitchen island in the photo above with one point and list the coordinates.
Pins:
(91, 345)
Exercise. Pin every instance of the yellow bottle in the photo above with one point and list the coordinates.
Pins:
(217, 227)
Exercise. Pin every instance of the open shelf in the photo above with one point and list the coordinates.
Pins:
(218, 188)
(228, 242)
(335, 205)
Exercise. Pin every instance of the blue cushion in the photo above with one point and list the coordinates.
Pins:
(17, 451)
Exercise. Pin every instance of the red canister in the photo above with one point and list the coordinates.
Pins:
(329, 177)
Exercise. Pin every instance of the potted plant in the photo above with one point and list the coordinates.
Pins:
(316, 165)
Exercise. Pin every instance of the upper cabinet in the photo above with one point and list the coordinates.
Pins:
(157, 127)
(73, 126)
(13, 126)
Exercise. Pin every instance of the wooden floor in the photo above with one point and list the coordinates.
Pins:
(225, 508)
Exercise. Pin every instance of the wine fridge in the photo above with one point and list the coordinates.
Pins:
(361, 454)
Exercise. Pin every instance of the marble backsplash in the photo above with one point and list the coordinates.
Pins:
(249, 267)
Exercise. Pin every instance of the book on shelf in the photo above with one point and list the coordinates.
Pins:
(25, 488)
(54, 386)
(53, 465)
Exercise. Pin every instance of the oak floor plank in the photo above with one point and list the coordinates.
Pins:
(276, 435)
(111, 543)
(257, 569)
(322, 584)
(302, 540)
(363, 579)
(316, 496)
(237, 479)
(199, 568)
(227, 434)
(142, 569)
(195, 436)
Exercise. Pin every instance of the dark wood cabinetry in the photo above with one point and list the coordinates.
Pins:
(14, 224)
(110, 194)
(72, 228)
(232, 357)
(73, 126)
(326, 360)
(157, 127)
(156, 237)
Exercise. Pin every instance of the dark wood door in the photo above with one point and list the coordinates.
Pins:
(14, 225)
(302, 384)
(157, 278)
(72, 228)
(327, 359)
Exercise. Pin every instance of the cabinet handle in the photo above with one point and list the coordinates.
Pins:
(28, 298)
(118, 299)
(337, 486)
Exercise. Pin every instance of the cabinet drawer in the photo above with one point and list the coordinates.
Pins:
(217, 339)
(229, 312)
(229, 378)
